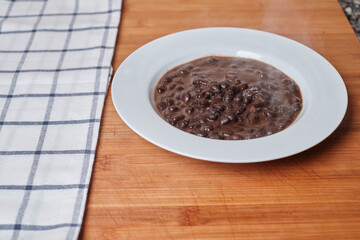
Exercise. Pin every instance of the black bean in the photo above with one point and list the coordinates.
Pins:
(183, 71)
(172, 86)
(196, 82)
(259, 134)
(173, 108)
(229, 96)
(201, 133)
(228, 106)
(224, 120)
(213, 111)
(255, 89)
(199, 82)
(260, 101)
(273, 108)
(212, 60)
(179, 117)
(217, 99)
(199, 95)
(167, 114)
(250, 130)
(201, 119)
(286, 81)
(189, 67)
(207, 95)
(194, 125)
(296, 99)
(248, 93)
(226, 133)
(160, 89)
(169, 101)
(211, 116)
(202, 104)
(270, 114)
(231, 116)
(180, 88)
(186, 97)
(297, 107)
(284, 120)
(235, 89)
(172, 121)
(218, 107)
(248, 100)
(238, 98)
(184, 124)
(167, 80)
(162, 105)
(282, 126)
(243, 86)
(237, 81)
(215, 136)
(271, 124)
(215, 88)
(271, 130)
(266, 95)
(262, 130)
(263, 76)
(224, 85)
(208, 128)
(236, 137)
(189, 110)
(240, 110)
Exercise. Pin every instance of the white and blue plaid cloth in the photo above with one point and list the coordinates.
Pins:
(55, 63)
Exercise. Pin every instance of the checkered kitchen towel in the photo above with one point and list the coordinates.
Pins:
(55, 58)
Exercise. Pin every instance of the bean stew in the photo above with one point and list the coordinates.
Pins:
(228, 98)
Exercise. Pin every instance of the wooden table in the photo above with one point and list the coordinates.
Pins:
(140, 191)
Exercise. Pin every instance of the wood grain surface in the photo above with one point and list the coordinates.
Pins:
(140, 191)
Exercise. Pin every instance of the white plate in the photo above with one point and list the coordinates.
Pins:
(323, 90)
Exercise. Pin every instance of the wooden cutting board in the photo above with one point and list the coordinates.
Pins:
(140, 191)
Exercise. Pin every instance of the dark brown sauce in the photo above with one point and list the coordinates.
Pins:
(228, 98)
